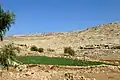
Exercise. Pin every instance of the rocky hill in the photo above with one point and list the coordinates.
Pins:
(101, 40)
(101, 43)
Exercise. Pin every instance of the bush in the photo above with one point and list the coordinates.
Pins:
(115, 47)
(50, 50)
(34, 48)
(40, 49)
(81, 47)
(69, 50)
(8, 54)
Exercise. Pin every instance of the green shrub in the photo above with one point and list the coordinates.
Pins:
(81, 47)
(40, 50)
(34, 48)
(116, 47)
(8, 54)
(69, 50)
(50, 50)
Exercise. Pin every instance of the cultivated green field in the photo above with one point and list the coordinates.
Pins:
(55, 61)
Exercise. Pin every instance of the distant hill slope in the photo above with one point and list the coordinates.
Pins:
(105, 33)
(98, 42)
(110, 30)
(101, 34)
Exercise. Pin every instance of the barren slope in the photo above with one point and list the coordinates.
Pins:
(97, 43)
(106, 34)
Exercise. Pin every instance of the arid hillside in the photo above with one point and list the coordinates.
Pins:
(102, 39)
(101, 34)
(101, 43)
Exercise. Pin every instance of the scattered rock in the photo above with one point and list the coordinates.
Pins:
(68, 76)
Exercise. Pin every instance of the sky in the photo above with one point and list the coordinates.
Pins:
(42, 16)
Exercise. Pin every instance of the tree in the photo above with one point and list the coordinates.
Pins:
(6, 19)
